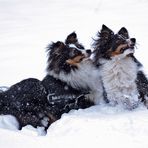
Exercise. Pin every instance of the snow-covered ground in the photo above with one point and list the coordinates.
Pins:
(26, 28)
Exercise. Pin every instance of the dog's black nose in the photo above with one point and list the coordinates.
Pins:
(88, 51)
(133, 40)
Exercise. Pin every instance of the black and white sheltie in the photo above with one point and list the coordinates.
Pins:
(123, 81)
(72, 82)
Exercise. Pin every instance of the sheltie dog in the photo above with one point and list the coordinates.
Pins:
(123, 81)
(72, 82)
(69, 65)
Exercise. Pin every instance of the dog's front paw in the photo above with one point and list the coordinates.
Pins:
(45, 121)
(130, 104)
(113, 103)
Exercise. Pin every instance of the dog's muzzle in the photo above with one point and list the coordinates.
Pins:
(131, 43)
(87, 53)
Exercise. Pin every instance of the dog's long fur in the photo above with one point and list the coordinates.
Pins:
(27, 101)
(120, 70)
(71, 83)
(81, 74)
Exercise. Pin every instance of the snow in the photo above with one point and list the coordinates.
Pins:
(8, 122)
(27, 27)
(93, 127)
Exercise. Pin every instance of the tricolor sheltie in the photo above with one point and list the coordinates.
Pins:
(69, 64)
(72, 82)
(123, 81)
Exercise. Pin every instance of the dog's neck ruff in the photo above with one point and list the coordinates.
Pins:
(122, 71)
(86, 76)
(119, 76)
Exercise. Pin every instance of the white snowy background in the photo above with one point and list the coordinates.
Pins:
(27, 27)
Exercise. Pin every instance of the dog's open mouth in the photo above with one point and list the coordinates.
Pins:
(132, 46)
(129, 50)
(128, 46)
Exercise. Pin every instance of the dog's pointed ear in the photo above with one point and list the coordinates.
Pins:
(71, 38)
(123, 31)
(55, 47)
(58, 45)
(104, 27)
(106, 32)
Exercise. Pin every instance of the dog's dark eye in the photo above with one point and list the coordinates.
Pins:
(80, 46)
(71, 54)
(81, 59)
(74, 52)
(122, 50)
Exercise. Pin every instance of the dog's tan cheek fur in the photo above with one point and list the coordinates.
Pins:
(71, 62)
(118, 50)
(75, 61)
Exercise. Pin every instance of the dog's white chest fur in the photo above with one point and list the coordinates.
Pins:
(87, 76)
(118, 76)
